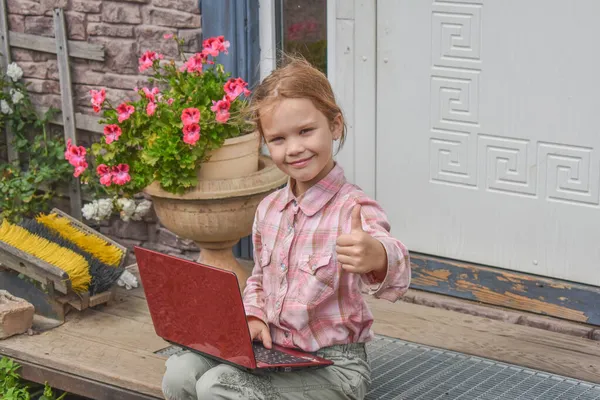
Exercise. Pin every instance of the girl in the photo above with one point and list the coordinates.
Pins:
(317, 243)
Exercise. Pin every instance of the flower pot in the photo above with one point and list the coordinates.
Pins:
(217, 213)
(237, 157)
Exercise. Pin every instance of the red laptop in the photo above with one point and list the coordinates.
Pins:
(200, 308)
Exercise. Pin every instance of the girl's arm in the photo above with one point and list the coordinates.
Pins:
(253, 293)
(391, 281)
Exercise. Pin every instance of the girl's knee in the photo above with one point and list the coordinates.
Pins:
(218, 382)
(183, 371)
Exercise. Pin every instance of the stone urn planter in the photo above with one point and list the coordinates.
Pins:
(220, 210)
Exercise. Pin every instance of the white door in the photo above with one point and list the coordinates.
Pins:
(488, 142)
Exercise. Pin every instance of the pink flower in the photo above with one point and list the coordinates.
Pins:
(76, 157)
(214, 45)
(105, 174)
(112, 133)
(170, 101)
(190, 116)
(150, 108)
(120, 174)
(168, 36)
(98, 97)
(221, 109)
(147, 59)
(194, 63)
(67, 150)
(151, 94)
(236, 86)
(75, 154)
(191, 133)
(79, 169)
(125, 110)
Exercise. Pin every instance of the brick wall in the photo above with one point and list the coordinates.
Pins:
(126, 29)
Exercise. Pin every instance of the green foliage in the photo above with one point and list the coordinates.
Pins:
(11, 387)
(28, 184)
(152, 145)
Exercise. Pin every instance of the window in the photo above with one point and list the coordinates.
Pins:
(302, 29)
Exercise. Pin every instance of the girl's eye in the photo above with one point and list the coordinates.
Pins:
(305, 130)
(277, 139)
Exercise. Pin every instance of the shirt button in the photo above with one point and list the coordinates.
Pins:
(287, 334)
(282, 265)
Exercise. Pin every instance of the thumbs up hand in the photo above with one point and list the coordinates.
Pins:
(359, 252)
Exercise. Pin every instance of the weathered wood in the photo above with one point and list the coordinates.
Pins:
(90, 123)
(539, 349)
(77, 49)
(76, 384)
(66, 96)
(546, 296)
(98, 347)
(5, 49)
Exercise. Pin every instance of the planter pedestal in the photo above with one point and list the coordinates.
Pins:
(216, 214)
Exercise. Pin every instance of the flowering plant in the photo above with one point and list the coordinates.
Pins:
(192, 107)
(29, 183)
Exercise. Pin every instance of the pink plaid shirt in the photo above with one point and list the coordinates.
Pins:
(297, 286)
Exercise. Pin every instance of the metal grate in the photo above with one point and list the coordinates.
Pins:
(408, 371)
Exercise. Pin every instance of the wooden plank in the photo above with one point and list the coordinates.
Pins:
(90, 123)
(546, 296)
(344, 92)
(76, 384)
(365, 97)
(344, 9)
(66, 95)
(12, 153)
(97, 347)
(520, 345)
(78, 49)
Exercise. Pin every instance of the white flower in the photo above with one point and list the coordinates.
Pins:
(14, 71)
(5, 108)
(127, 207)
(16, 95)
(141, 210)
(105, 208)
(90, 210)
(98, 209)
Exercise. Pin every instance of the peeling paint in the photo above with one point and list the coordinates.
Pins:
(576, 302)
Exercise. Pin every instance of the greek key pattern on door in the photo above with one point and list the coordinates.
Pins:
(462, 155)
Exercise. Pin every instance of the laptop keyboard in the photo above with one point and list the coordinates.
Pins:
(273, 357)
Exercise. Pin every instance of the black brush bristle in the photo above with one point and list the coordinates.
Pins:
(103, 276)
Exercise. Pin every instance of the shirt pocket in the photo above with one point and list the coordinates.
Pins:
(316, 279)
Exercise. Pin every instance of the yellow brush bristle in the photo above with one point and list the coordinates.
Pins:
(99, 248)
(72, 263)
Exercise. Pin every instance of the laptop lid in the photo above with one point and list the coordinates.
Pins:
(196, 306)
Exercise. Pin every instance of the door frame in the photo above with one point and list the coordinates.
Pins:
(351, 69)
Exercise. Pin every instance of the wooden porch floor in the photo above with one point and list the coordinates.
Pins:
(109, 352)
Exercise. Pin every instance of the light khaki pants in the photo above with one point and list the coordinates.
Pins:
(190, 376)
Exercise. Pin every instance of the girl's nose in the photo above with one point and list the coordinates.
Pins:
(294, 147)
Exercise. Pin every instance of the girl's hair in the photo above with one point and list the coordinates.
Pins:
(296, 79)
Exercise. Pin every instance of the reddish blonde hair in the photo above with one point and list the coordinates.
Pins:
(297, 79)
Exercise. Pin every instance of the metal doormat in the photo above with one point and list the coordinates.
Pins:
(409, 371)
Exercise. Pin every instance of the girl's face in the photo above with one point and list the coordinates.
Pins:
(300, 140)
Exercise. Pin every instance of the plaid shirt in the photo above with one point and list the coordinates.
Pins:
(297, 286)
